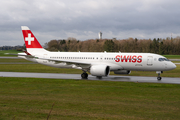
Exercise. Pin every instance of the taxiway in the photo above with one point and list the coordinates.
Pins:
(90, 77)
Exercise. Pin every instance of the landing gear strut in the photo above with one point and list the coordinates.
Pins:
(159, 73)
(84, 75)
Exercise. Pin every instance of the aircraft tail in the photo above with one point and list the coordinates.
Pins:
(32, 44)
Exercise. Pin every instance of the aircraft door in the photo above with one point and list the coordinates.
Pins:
(150, 60)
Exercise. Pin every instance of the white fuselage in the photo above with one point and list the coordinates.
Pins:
(116, 61)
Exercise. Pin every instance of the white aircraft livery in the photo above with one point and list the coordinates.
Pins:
(98, 64)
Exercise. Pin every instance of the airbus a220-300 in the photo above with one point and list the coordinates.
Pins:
(98, 64)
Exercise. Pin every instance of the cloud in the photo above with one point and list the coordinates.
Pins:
(83, 19)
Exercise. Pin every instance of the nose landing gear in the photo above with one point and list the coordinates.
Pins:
(159, 78)
(159, 73)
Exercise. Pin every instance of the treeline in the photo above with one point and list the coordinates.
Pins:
(18, 48)
(159, 46)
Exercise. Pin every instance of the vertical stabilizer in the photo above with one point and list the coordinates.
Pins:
(32, 44)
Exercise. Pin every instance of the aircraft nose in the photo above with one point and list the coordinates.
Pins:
(172, 66)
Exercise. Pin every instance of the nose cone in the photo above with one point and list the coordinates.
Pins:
(171, 66)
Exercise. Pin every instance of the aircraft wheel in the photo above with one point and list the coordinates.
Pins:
(84, 75)
(159, 78)
(99, 77)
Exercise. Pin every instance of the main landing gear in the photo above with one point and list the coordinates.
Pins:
(159, 73)
(84, 75)
(99, 77)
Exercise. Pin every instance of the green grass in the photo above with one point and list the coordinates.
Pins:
(175, 61)
(35, 68)
(172, 56)
(4, 60)
(2, 52)
(30, 98)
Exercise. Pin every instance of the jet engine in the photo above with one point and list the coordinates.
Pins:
(122, 72)
(100, 70)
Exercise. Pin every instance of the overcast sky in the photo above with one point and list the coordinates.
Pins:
(83, 19)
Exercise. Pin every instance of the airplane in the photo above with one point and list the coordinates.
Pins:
(98, 64)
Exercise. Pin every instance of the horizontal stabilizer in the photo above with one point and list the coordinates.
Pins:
(21, 54)
(11, 54)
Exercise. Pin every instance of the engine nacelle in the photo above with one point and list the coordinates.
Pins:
(100, 70)
(122, 72)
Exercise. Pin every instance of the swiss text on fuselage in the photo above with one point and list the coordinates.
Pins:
(129, 58)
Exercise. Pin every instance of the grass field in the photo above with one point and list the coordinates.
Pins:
(172, 56)
(2, 52)
(4, 60)
(27, 99)
(32, 98)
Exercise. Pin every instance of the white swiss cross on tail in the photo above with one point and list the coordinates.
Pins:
(29, 39)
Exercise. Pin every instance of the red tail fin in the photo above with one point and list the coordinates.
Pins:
(29, 39)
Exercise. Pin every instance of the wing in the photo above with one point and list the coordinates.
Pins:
(77, 63)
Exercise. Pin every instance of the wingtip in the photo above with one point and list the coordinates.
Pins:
(24, 28)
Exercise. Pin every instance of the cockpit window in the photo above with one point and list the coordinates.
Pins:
(163, 59)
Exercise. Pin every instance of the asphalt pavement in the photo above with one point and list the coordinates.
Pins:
(90, 77)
